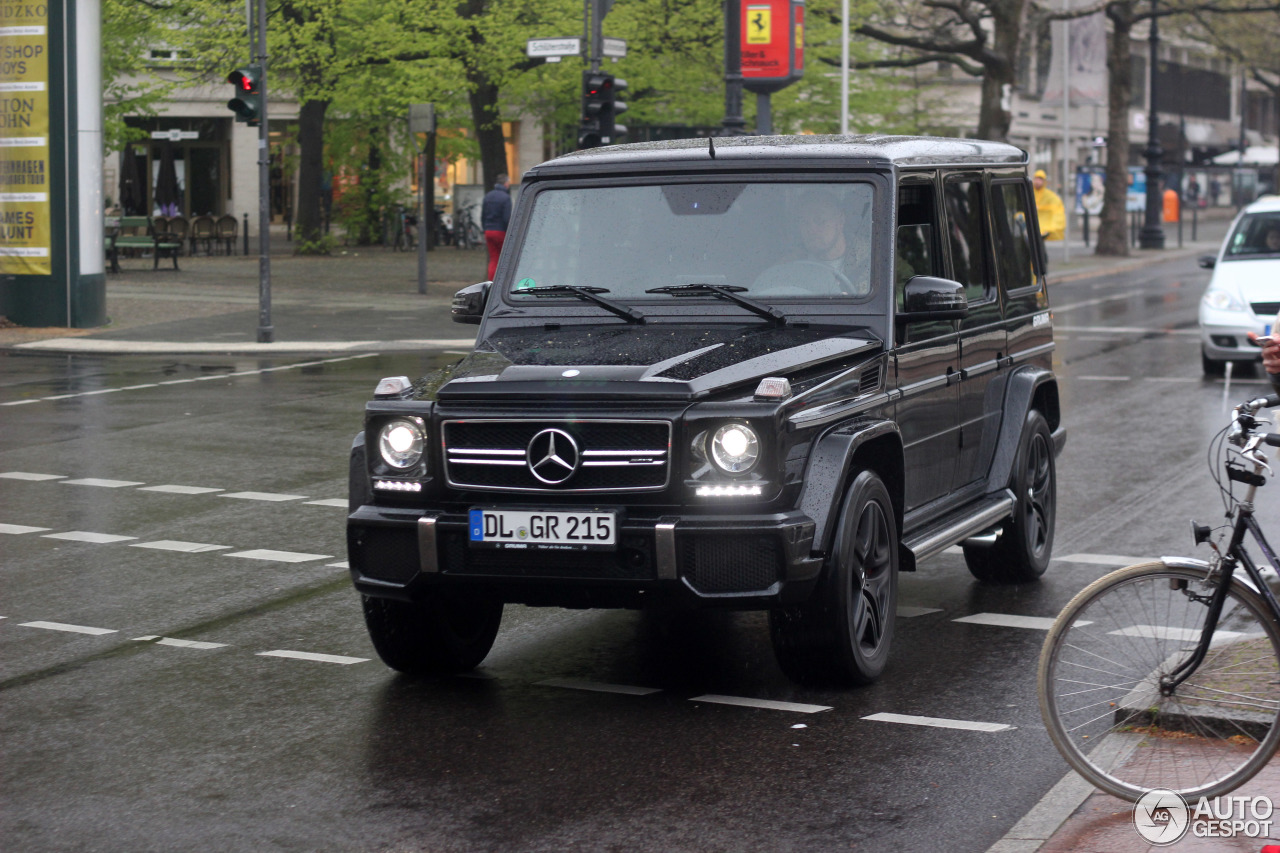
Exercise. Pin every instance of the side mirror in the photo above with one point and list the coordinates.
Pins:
(1208, 262)
(468, 303)
(928, 298)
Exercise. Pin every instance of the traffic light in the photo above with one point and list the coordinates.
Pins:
(247, 104)
(600, 108)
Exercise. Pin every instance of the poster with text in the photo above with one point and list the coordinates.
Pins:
(25, 213)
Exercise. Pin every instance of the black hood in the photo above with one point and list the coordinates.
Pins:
(669, 362)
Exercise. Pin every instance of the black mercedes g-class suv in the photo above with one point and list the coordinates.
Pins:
(754, 372)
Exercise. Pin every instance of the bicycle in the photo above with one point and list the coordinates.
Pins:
(1167, 674)
(466, 233)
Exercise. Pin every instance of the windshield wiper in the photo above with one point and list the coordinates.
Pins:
(725, 291)
(586, 294)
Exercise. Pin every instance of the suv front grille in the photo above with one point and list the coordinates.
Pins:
(604, 455)
(731, 563)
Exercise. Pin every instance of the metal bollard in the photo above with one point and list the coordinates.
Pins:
(1085, 228)
(1195, 215)
(246, 235)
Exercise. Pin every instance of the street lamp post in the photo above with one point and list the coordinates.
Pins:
(1152, 235)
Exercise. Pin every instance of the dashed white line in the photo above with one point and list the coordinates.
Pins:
(767, 704)
(341, 564)
(339, 659)
(25, 475)
(22, 402)
(908, 611)
(261, 496)
(939, 722)
(1010, 620)
(178, 545)
(180, 490)
(598, 687)
(62, 626)
(342, 502)
(1101, 559)
(105, 484)
(278, 556)
(21, 528)
(181, 644)
(86, 536)
(1103, 378)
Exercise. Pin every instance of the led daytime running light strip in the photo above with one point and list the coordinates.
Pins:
(728, 491)
(397, 486)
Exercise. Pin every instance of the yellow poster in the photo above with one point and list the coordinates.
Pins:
(759, 24)
(25, 212)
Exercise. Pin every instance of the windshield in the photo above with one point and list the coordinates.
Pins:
(1256, 236)
(804, 240)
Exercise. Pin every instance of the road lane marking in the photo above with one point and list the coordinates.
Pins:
(341, 564)
(180, 490)
(21, 528)
(598, 687)
(1010, 620)
(1101, 559)
(261, 496)
(342, 502)
(910, 611)
(939, 722)
(86, 536)
(339, 659)
(22, 402)
(25, 475)
(1182, 635)
(1124, 330)
(105, 484)
(767, 704)
(1104, 378)
(62, 626)
(178, 545)
(278, 556)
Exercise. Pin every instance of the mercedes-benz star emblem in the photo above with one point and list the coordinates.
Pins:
(553, 456)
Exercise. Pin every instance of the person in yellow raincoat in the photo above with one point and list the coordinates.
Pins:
(1053, 216)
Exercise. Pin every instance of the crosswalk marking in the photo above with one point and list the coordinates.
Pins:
(342, 502)
(1011, 620)
(180, 490)
(24, 475)
(101, 483)
(938, 722)
(1100, 559)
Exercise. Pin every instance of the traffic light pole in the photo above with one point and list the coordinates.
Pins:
(266, 332)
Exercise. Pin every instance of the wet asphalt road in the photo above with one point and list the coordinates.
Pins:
(129, 737)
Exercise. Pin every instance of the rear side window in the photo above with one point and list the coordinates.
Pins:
(1013, 236)
(966, 237)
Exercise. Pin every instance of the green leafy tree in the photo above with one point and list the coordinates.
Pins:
(130, 30)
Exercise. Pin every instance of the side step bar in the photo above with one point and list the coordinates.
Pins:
(958, 527)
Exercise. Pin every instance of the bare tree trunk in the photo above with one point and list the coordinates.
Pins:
(993, 119)
(488, 122)
(1113, 232)
(311, 170)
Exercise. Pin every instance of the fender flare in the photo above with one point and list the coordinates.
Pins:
(828, 472)
(1020, 392)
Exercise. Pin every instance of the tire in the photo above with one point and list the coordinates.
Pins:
(1104, 710)
(447, 632)
(1211, 368)
(843, 634)
(1022, 552)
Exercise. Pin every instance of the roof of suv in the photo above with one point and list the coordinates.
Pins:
(872, 150)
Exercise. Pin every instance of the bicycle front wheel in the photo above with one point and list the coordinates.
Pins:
(1099, 683)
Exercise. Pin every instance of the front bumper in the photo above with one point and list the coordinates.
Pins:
(1223, 335)
(739, 561)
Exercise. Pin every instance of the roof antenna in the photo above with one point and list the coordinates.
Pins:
(711, 146)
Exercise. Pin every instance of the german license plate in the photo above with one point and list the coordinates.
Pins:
(557, 530)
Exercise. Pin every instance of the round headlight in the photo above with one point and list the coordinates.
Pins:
(400, 443)
(735, 448)
(1223, 300)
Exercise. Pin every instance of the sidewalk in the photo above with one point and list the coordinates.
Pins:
(363, 299)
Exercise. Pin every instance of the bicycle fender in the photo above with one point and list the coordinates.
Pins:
(1019, 392)
(828, 472)
(1185, 563)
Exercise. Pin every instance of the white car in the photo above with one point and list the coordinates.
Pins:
(1244, 293)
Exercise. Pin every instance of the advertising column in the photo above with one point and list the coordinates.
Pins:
(51, 217)
(25, 213)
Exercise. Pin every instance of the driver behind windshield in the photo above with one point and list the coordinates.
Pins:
(834, 259)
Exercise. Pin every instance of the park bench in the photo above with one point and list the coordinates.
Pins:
(137, 232)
